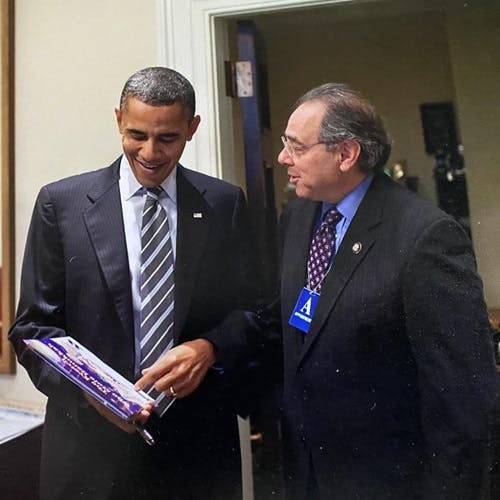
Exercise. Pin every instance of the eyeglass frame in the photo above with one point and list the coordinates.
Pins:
(304, 148)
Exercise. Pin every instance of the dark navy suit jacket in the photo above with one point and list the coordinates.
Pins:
(390, 393)
(75, 281)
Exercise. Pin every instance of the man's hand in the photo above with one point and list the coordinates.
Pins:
(128, 427)
(181, 369)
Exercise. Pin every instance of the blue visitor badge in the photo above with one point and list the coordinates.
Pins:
(303, 311)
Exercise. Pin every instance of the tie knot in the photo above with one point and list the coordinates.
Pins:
(332, 216)
(154, 192)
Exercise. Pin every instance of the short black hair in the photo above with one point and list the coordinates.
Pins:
(159, 86)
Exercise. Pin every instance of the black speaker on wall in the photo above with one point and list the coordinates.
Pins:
(440, 132)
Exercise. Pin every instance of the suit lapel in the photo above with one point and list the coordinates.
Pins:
(194, 216)
(294, 272)
(356, 244)
(104, 224)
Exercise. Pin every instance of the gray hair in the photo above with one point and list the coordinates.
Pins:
(158, 86)
(350, 116)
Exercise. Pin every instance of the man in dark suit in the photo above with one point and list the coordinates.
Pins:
(389, 378)
(81, 277)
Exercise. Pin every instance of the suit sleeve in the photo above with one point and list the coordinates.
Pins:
(450, 336)
(41, 309)
(252, 330)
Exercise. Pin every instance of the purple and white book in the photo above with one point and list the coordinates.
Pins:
(91, 374)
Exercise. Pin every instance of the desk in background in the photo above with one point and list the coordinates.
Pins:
(20, 447)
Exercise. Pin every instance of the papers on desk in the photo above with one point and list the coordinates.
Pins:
(16, 420)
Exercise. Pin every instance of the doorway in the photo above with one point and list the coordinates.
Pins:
(364, 45)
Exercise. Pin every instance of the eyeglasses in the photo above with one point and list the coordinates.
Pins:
(297, 150)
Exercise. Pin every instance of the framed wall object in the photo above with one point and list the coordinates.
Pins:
(7, 364)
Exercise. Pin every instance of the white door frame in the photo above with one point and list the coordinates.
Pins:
(193, 40)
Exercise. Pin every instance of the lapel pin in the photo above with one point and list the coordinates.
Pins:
(356, 248)
(197, 215)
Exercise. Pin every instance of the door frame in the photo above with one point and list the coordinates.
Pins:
(193, 39)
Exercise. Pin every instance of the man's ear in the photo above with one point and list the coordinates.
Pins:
(349, 154)
(193, 127)
(118, 115)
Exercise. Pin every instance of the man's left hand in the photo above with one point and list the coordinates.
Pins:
(180, 370)
(128, 427)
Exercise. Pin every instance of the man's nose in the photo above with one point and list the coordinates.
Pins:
(150, 150)
(284, 158)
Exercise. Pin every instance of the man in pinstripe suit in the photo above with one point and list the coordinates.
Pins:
(81, 278)
(389, 377)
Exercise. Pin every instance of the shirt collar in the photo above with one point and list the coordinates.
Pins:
(349, 204)
(129, 185)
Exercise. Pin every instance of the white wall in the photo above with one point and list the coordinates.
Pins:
(72, 59)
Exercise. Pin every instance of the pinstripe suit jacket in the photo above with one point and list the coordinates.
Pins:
(75, 281)
(389, 394)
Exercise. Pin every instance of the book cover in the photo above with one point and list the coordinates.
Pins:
(91, 374)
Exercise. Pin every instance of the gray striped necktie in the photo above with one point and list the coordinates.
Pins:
(156, 287)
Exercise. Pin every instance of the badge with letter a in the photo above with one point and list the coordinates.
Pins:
(304, 309)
